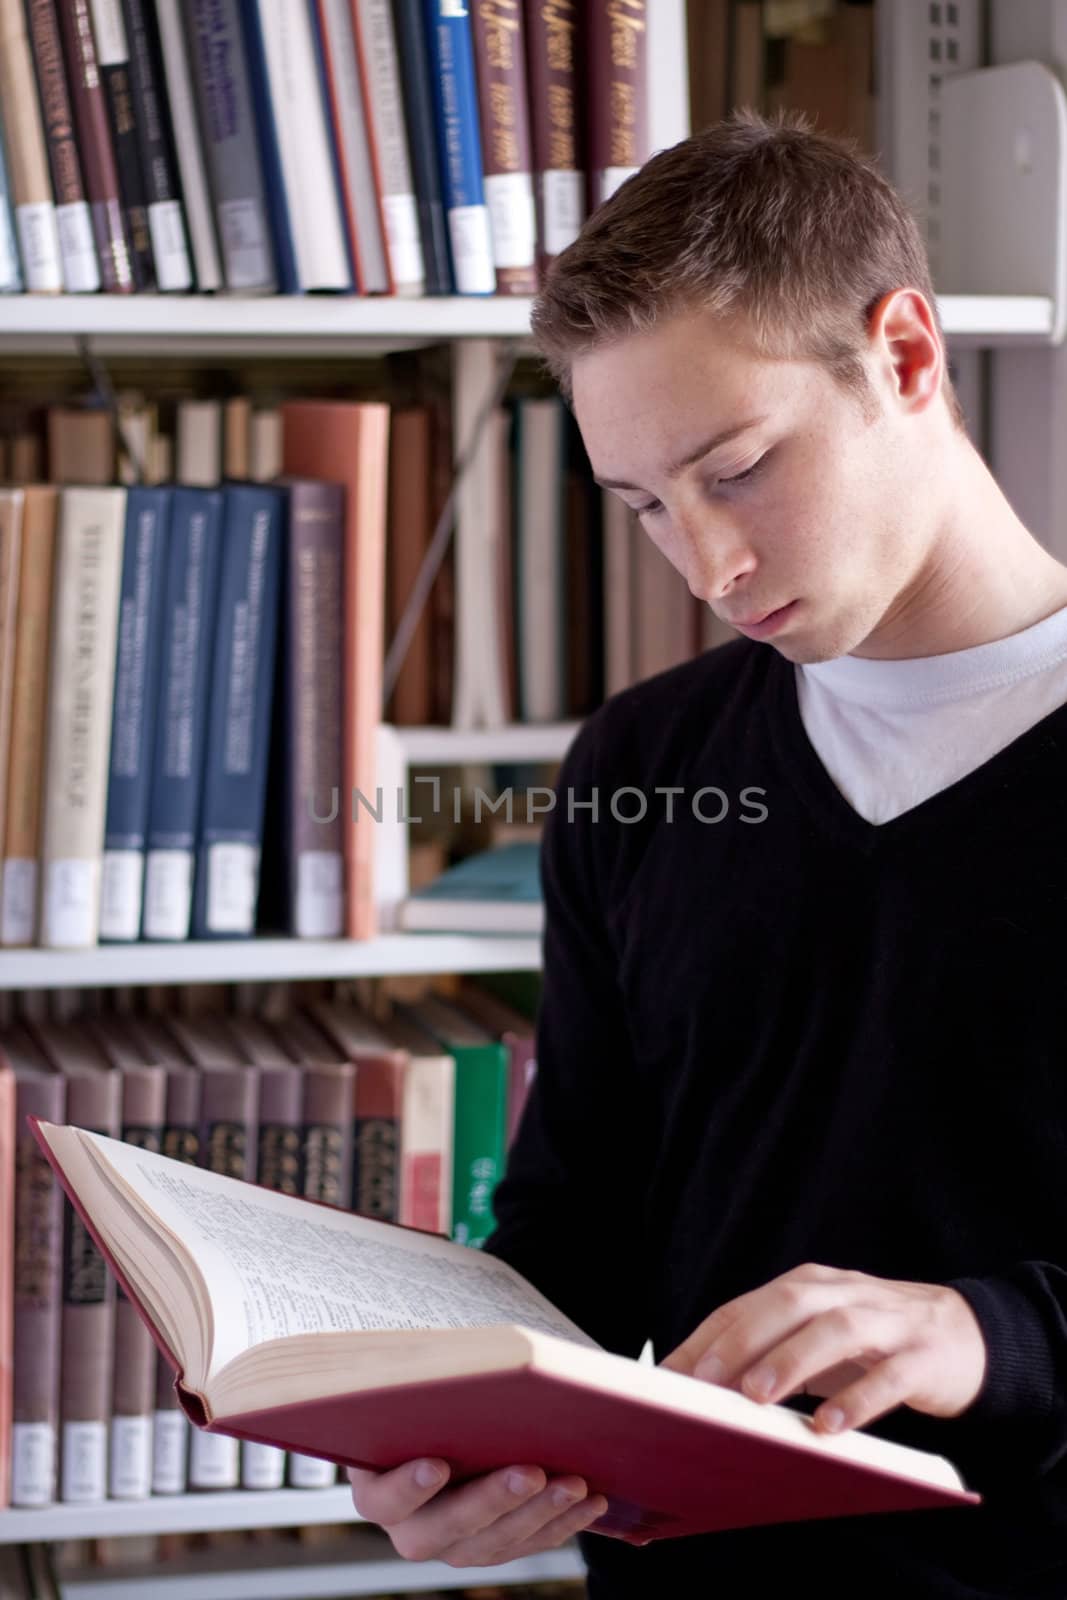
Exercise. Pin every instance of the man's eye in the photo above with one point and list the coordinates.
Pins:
(644, 511)
(749, 472)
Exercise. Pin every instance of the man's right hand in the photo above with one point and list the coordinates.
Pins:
(489, 1520)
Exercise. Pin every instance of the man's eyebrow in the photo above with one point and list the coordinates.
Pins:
(705, 449)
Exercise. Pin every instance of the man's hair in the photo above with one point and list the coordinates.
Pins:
(767, 220)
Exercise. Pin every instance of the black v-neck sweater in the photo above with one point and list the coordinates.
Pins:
(789, 1036)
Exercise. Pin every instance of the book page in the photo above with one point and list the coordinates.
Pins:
(276, 1265)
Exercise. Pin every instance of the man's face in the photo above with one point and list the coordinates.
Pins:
(812, 507)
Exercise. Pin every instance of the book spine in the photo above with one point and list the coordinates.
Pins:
(81, 270)
(481, 1095)
(10, 265)
(553, 42)
(144, 1092)
(8, 1114)
(426, 1144)
(38, 1298)
(459, 146)
(137, 669)
(270, 135)
(88, 1331)
(376, 1142)
(238, 738)
(95, 146)
(170, 1431)
(358, 176)
(31, 188)
(293, 92)
(11, 512)
(88, 575)
(188, 630)
(377, 49)
(507, 156)
(228, 1123)
(278, 1167)
(195, 189)
(113, 64)
(314, 685)
(220, 76)
(416, 87)
(166, 218)
(618, 98)
(23, 812)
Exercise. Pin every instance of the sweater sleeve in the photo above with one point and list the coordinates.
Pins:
(568, 1210)
(1017, 1426)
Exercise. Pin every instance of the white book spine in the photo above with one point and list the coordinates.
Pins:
(214, 1461)
(130, 1464)
(314, 207)
(262, 1466)
(87, 587)
(170, 1448)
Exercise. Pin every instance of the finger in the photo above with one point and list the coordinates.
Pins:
(545, 1521)
(787, 1308)
(781, 1298)
(463, 1511)
(889, 1384)
(845, 1333)
(564, 1527)
(386, 1497)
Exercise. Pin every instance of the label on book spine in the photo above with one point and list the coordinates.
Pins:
(33, 1464)
(509, 197)
(402, 239)
(131, 1458)
(472, 249)
(563, 197)
(320, 904)
(614, 178)
(262, 1466)
(18, 902)
(168, 894)
(81, 270)
(39, 246)
(121, 883)
(213, 1461)
(308, 1472)
(71, 904)
(232, 877)
(173, 268)
(170, 1439)
(83, 1457)
(244, 244)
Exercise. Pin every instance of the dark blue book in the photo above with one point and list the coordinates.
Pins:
(459, 145)
(138, 660)
(190, 603)
(416, 87)
(239, 722)
(269, 153)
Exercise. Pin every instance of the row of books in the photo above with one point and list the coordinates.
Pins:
(407, 1120)
(142, 638)
(417, 147)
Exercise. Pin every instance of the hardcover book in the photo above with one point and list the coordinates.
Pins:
(494, 891)
(402, 1344)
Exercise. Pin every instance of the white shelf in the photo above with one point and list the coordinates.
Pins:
(180, 1513)
(254, 960)
(147, 324)
(518, 742)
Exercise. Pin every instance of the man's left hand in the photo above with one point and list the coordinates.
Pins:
(866, 1344)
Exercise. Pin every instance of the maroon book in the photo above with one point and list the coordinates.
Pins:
(618, 93)
(555, 67)
(507, 151)
(94, 144)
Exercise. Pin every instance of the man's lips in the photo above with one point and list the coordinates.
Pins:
(752, 622)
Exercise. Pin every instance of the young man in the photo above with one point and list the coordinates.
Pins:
(801, 1107)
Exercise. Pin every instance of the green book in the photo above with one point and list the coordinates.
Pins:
(480, 1115)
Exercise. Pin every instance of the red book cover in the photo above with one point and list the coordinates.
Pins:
(666, 1468)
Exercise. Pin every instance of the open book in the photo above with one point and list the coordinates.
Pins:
(370, 1344)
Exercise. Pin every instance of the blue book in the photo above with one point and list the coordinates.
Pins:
(494, 891)
(459, 144)
(138, 660)
(190, 603)
(267, 128)
(10, 270)
(239, 722)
